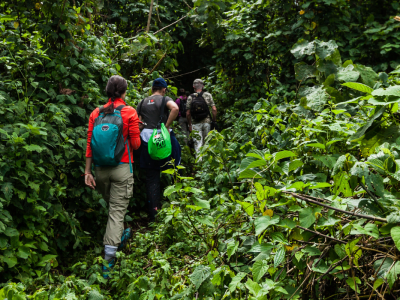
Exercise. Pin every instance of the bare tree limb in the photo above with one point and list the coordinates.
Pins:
(169, 25)
(149, 19)
(305, 198)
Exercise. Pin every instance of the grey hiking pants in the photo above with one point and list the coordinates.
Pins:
(116, 186)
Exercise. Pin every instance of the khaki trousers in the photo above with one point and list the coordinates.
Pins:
(116, 186)
(202, 129)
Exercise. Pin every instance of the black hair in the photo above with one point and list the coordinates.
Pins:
(156, 89)
(187, 93)
(116, 87)
(182, 92)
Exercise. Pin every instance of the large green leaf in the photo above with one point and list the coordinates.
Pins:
(393, 274)
(10, 261)
(382, 266)
(304, 71)
(202, 203)
(279, 256)
(248, 207)
(390, 91)
(303, 47)
(359, 87)
(353, 282)
(360, 132)
(374, 101)
(23, 252)
(347, 74)
(395, 233)
(328, 160)
(232, 248)
(315, 99)
(11, 232)
(307, 217)
(259, 269)
(253, 287)
(200, 274)
(256, 164)
(368, 75)
(249, 174)
(325, 49)
(235, 281)
(283, 154)
(368, 229)
(246, 162)
(262, 223)
(295, 164)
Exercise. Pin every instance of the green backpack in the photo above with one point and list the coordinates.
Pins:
(160, 143)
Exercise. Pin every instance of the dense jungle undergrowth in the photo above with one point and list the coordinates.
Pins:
(296, 198)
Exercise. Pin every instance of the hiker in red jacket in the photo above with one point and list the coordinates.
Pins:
(113, 128)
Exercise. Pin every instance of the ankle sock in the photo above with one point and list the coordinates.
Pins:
(110, 252)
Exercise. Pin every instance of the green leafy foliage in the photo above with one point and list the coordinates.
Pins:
(308, 120)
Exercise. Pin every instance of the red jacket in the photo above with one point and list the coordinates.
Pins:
(131, 128)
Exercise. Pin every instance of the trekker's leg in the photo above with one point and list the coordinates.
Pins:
(198, 139)
(103, 184)
(153, 190)
(185, 128)
(120, 193)
(206, 129)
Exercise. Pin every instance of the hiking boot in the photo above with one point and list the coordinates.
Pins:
(126, 235)
(106, 270)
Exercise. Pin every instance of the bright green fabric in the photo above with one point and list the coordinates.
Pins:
(160, 144)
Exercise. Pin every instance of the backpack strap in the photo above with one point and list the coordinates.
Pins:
(139, 108)
(119, 108)
(161, 112)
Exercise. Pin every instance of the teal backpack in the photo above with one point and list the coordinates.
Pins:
(107, 142)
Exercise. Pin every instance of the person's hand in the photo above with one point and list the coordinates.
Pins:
(190, 128)
(89, 181)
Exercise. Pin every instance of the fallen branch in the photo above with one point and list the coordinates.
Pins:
(332, 267)
(190, 73)
(170, 25)
(304, 198)
(154, 68)
(305, 279)
(373, 198)
(321, 234)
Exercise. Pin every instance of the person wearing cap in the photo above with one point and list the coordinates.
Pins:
(149, 114)
(202, 126)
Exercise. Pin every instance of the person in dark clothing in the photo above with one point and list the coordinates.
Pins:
(181, 102)
(149, 113)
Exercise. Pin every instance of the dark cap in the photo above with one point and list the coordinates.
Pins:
(160, 82)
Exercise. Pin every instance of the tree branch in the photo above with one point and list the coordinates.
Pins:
(169, 25)
(304, 198)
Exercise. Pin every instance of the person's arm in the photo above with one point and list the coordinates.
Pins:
(188, 115)
(133, 130)
(214, 113)
(141, 126)
(189, 120)
(213, 107)
(174, 110)
(89, 180)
